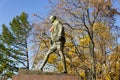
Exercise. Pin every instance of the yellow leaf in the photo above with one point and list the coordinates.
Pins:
(82, 73)
(107, 77)
(52, 58)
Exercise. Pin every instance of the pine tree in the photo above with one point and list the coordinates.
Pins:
(14, 46)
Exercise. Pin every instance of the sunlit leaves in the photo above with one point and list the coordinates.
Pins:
(101, 30)
(52, 58)
(85, 40)
(86, 22)
(82, 73)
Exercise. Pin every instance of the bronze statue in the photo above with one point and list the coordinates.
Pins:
(57, 42)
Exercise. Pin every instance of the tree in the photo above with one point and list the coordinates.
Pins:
(91, 37)
(82, 15)
(14, 47)
(21, 28)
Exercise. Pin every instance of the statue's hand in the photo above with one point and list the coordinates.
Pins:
(51, 29)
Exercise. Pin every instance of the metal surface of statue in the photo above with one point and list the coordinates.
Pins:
(57, 42)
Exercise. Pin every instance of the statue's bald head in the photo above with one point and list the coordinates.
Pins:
(52, 18)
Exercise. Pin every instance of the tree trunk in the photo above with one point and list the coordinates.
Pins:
(27, 54)
(93, 72)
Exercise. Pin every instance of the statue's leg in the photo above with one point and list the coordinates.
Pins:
(63, 61)
(51, 50)
(45, 59)
(60, 47)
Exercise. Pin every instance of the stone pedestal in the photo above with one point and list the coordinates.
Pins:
(37, 75)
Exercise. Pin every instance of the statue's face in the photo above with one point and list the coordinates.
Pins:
(52, 18)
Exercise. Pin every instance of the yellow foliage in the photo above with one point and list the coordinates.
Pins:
(99, 26)
(71, 52)
(107, 77)
(82, 73)
(59, 66)
(98, 67)
(117, 65)
(101, 30)
(105, 67)
(42, 46)
(69, 44)
(85, 41)
(52, 58)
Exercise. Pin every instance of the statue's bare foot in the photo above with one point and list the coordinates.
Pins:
(65, 72)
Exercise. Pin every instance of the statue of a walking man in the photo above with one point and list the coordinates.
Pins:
(57, 42)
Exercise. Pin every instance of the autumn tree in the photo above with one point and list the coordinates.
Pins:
(84, 15)
(89, 26)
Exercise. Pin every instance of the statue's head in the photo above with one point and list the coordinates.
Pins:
(52, 18)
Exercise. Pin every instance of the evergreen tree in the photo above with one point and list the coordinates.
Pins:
(13, 43)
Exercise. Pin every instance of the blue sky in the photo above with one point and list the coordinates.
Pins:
(11, 8)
